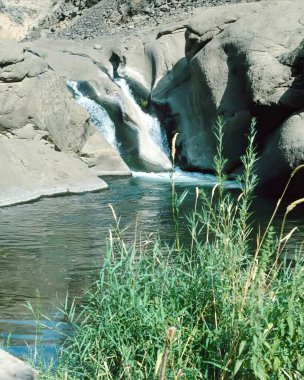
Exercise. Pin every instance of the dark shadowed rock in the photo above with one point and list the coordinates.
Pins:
(283, 152)
(238, 72)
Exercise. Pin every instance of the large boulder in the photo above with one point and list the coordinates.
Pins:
(32, 93)
(224, 66)
(239, 72)
(283, 153)
(12, 368)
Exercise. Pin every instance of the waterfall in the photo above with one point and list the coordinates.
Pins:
(102, 121)
(150, 147)
(98, 114)
(152, 123)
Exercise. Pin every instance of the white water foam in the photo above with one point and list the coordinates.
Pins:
(152, 123)
(101, 119)
(182, 177)
(98, 114)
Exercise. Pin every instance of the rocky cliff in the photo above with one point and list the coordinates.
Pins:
(236, 61)
(83, 19)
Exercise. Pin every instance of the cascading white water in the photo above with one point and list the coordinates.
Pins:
(98, 114)
(159, 137)
(183, 177)
(152, 123)
(102, 121)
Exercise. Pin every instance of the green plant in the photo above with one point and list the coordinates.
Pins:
(143, 103)
(220, 309)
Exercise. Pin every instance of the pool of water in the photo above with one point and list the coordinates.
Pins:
(54, 247)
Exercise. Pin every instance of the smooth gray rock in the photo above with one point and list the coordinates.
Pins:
(39, 118)
(45, 102)
(284, 152)
(53, 109)
(30, 92)
(30, 66)
(238, 72)
(101, 157)
(32, 169)
(211, 22)
(10, 53)
(73, 60)
(232, 70)
(223, 66)
(28, 132)
(12, 368)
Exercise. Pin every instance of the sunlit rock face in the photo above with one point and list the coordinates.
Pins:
(136, 132)
(31, 92)
(42, 129)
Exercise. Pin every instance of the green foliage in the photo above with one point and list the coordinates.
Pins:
(143, 103)
(221, 309)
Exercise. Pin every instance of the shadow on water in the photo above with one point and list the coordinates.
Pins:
(55, 246)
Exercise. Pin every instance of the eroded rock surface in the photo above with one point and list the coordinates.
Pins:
(101, 158)
(30, 92)
(237, 61)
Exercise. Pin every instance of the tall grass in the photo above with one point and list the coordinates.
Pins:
(227, 307)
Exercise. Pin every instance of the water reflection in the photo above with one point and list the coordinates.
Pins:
(55, 246)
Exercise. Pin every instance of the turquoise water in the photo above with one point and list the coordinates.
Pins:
(55, 246)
